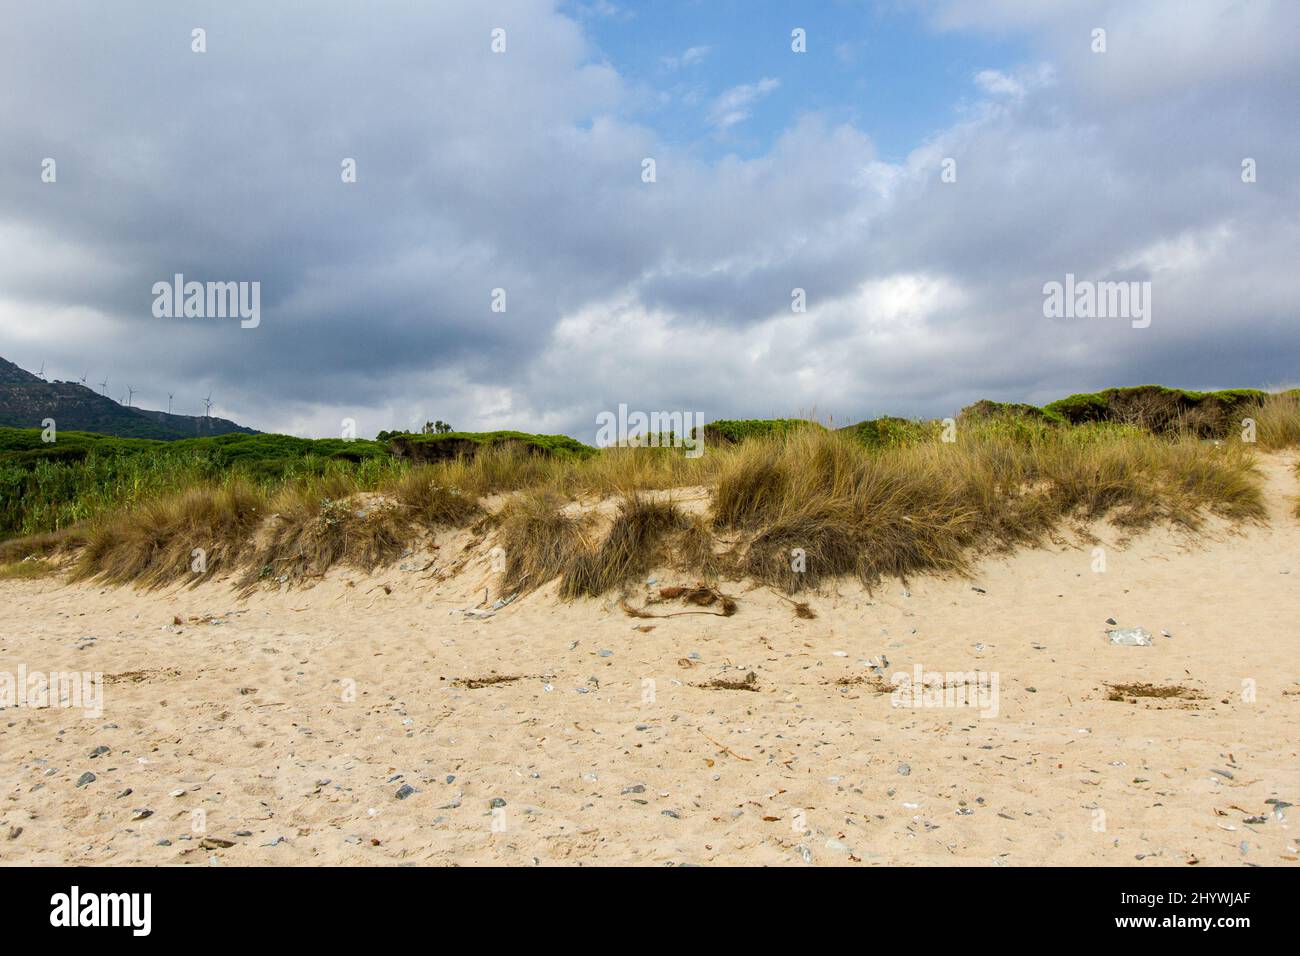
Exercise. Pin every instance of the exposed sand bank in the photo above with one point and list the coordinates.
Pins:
(621, 757)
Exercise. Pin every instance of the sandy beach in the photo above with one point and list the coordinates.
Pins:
(370, 720)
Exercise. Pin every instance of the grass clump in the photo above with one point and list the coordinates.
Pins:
(29, 569)
(1277, 421)
(430, 502)
(310, 532)
(539, 539)
(635, 543)
(818, 505)
(191, 534)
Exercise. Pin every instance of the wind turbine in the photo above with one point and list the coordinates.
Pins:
(130, 395)
(83, 379)
(170, 396)
(207, 403)
(104, 386)
(41, 373)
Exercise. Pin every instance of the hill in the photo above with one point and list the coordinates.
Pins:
(26, 401)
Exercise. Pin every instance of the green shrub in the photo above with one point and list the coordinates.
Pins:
(890, 432)
(731, 432)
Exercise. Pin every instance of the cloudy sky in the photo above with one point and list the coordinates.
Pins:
(523, 170)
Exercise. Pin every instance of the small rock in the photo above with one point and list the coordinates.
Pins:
(85, 778)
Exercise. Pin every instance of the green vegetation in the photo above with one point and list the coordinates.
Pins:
(883, 497)
(50, 486)
(735, 431)
(1160, 409)
(445, 446)
(889, 432)
(985, 409)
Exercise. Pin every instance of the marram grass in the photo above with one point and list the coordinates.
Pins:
(793, 508)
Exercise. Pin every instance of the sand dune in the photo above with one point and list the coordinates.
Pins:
(238, 725)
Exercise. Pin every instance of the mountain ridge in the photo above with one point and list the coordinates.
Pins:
(26, 401)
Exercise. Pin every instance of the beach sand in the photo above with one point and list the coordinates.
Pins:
(284, 724)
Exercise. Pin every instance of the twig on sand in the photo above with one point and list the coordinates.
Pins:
(723, 747)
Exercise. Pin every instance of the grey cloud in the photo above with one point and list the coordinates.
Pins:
(523, 171)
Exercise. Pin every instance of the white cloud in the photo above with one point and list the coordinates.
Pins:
(736, 104)
(688, 57)
(999, 84)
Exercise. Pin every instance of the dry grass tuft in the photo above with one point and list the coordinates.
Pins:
(696, 550)
(28, 569)
(814, 505)
(49, 544)
(430, 502)
(1277, 421)
(539, 539)
(635, 543)
(309, 533)
(154, 544)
